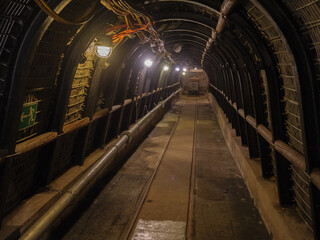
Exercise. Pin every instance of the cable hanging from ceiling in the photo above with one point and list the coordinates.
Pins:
(81, 20)
(137, 22)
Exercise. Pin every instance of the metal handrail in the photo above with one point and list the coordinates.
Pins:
(289, 153)
(44, 223)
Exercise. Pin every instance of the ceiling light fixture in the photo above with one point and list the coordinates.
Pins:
(103, 46)
(165, 68)
(177, 47)
(177, 69)
(148, 62)
(103, 51)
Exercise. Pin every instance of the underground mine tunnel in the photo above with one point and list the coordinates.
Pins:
(159, 119)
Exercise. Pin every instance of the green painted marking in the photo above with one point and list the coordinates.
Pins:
(28, 115)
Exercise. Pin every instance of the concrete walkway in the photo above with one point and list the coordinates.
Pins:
(181, 183)
(223, 208)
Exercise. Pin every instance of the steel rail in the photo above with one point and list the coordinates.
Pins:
(147, 187)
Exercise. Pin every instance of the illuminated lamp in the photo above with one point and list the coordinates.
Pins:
(148, 62)
(103, 46)
(103, 51)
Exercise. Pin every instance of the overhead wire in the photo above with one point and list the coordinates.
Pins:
(119, 36)
(125, 9)
(81, 20)
(137, 22)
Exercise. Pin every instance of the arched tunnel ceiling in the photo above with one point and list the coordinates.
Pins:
(255, 34)
(190, 23)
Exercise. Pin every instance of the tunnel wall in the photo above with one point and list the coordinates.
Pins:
(265, 78)
(282, 223)
(79, 102)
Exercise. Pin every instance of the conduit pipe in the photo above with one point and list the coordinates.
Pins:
(44, 223)
(225, 8)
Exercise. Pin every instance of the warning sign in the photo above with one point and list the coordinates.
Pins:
(28, 115)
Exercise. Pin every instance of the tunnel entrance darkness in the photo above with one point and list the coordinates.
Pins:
(61, 98)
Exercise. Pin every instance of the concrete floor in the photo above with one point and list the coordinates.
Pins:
(196, 192)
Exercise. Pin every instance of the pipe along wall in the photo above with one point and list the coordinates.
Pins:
(126, 142)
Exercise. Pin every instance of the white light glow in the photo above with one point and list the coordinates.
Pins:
(148, 63)
(165, 68)
(103, 51)
(184, 73)
(195, 68)
(177, 69)
(184, 69)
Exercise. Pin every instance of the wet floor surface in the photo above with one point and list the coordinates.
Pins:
(196, 189)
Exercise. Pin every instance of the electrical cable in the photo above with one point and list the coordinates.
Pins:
(83, 19)
(133, 18)
(137, 22)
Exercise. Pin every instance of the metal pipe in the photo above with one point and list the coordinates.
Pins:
(265, 133)
(225, 8)
(142, 120)
(289, 153)
(220, 24)
(252, 121)
(241, 113)
(36, 231)
(43, 224)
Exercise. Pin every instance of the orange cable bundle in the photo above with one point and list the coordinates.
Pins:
(119, 36)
